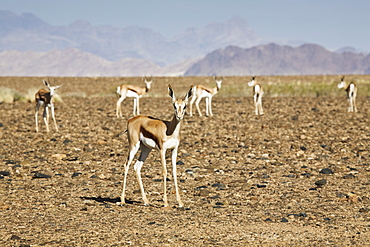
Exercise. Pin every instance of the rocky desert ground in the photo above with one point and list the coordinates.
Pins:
(297, 176)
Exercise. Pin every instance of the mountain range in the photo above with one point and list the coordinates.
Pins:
(30, 46)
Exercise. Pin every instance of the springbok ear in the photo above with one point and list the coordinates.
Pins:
(56, 87)
(46, 83)
(171, 93)
(189, 94)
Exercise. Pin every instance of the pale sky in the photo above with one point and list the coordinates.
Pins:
(331, 23)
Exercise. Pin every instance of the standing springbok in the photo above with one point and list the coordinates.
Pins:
(45, 99)
(351, 90)
(200, 92)
(257, 95)
(147, 133)
(132, 91)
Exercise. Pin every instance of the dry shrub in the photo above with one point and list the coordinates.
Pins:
(9, 95)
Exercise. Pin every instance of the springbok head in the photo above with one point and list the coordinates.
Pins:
(180, 104)
(252, 81)
(218, 81)
(342, 83)
(148, 82)
(51, 89)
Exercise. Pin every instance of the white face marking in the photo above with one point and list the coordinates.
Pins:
(179, 106)
(218, 83)
(341, 84)
(148, 83)
(252, 83)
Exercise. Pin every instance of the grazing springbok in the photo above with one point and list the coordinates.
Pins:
(147, 133)
(200, 92)
(132, 91)
(351, 90)
(45, 99)
(257, 95)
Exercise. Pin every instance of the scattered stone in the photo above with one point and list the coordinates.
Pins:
(180, 163)
(15, 237)
(76, 174)
(364, 210)
(219, 186)
(268, 220)
(261, 185)
(326, 171)
(303, 148)
(40, 175)
(349, 176)
(284, 219)
(189, 171)
(4, 173)
(200, 187)
(321, 182)
(66, 141)
(306, 174)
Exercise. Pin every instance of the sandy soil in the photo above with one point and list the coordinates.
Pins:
(244, 179)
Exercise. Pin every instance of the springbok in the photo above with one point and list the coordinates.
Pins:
(45, 99)
(257, 95)
(351, 90)
(200, 92)
(147, 133)
(132, 91)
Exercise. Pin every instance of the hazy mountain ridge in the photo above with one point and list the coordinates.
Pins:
(273, 59)
(28, 32)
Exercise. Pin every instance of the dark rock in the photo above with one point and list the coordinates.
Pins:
(326, 171)
(303, 148)
(261, 185)
(40, 175)
(200, 187)
(364, 210)
(284, 219)
(189, 171)
(220, 186)
(180, 163)
(4, 173)
(66, 141)
(76, 174)
(349, 176)
(306, 174)
(320, 183)
(15, 237)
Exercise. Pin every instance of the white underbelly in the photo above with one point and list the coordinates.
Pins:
(150, 143)
(205, 94)
(132, 94)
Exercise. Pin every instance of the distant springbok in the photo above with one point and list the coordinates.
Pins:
(200, 92)
(132, 91)
(257, 95)
(351, 90)
(45, 99)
